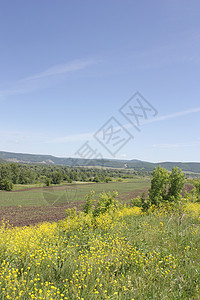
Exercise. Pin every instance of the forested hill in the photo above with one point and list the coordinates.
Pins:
(111, 163)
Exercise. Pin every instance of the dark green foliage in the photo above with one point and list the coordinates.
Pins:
(26, 176)
(8, 176)
(96, 179)
(48, 181)
(5, 172)
(14, 173)
(107, 179)
(56, 177)
(6, 185)
(30, 174)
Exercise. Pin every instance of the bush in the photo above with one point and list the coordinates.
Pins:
(136, 201)
(6, 185)
(88, 207)
(107, 179)
(197, 189)
(105, 202)
(120, 180)
(141, 202)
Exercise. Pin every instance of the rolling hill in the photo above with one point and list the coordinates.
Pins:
(135, 164)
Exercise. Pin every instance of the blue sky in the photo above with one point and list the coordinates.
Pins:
(67, 67)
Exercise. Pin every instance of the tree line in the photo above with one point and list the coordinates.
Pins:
(14, 173)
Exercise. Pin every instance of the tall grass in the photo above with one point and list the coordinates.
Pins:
(121, 254)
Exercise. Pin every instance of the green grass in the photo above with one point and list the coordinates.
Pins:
(18, 187)
(120, 255)
(65, 194)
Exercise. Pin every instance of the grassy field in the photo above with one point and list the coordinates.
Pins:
(118, 255)
(31, 204)
(43, 196)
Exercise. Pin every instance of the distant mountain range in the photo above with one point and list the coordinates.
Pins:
(135, 164)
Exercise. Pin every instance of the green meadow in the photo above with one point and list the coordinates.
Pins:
(43, 196)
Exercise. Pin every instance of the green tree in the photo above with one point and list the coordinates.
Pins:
(47, 181)
(6, 185)
(166, 186)
(14, 172)
(56, 177)
(159, 182)
(23, 177)
(5, 172)
(176, 184)
(96, 179)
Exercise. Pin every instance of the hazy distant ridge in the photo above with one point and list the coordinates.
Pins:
(112, 163)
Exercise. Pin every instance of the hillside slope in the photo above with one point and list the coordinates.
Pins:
(135, 164)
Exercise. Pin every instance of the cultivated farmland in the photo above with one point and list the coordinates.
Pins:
(28, 204)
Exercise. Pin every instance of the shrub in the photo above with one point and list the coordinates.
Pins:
(141, 201)
(197, 189)
(136, 201)
(6, 185)
(107, 179)
(105, 202)
(88, 207)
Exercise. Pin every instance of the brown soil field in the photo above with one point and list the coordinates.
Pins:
(29, 215)
(26, 216)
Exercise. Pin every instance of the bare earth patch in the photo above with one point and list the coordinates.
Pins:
(30, 215)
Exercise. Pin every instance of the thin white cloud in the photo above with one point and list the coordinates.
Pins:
(89, 135)
(72, 66)
(170, 116)
(83, 137)
(42, 79)
(177, 114)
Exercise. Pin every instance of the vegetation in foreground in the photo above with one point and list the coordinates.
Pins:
(109, 251)
(119, 254)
